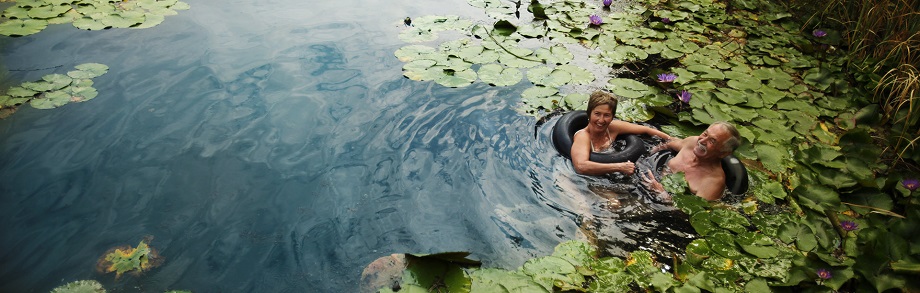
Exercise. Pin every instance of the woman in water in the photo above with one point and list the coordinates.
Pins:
(600, 134)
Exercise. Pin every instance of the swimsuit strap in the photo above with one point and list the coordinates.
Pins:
(591, 141)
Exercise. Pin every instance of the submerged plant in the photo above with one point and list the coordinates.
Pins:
(129, 259)
(82, 286)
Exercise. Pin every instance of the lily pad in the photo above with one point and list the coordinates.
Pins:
(125, 259)
(48, 11)
(411, 35)
(628, 88)
(414, 52)
(82, 286)
(557, 55)
(548, 77)
(478, 55)
(456, 78)
(22, 27)
(51, 100)
(497, 75)
(579, 75)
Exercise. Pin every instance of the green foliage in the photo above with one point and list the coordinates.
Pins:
(54, 90)
(82, 286)
(814, 159)
(30, 17)
(127, 259)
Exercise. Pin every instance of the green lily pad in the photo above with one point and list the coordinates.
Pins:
(456, 78)
(522, 58)
(579, 75)
(124, 20)
(421, 70)
(497, 280)
(51, 100)
(557, 55)
(730, 220)
(551, 270)
(630, 110)
(576, 101)
(150, 20)
(92, 68)
(478, 55)
(702, 223)
(496, 75)
(412, 35)
(540, 97)
(82, 286)
(548, 77)
(19, 91)
(628, 88)
(16, 12)
(22, 27)
(82, 94)
(48, 11)
(414, 52)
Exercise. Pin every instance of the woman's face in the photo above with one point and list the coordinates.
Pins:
(600, 117)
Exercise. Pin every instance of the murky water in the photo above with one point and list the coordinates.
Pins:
(274, 146)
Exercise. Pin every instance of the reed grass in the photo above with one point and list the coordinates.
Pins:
(882, 39)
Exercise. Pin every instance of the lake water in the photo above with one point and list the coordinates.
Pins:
(274, 146)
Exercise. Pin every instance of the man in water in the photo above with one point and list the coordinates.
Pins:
(700, 158)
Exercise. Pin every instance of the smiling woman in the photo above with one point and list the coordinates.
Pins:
(568, 124)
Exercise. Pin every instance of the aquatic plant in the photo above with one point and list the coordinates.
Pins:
(32, 16)
(607, 3)
(594, 19)
(128, 259)
(54, 90)
(91, 286)
(666, 77)
(82, 286)
(809, 139)
(849, 225)
(684, 96)
(911, 184)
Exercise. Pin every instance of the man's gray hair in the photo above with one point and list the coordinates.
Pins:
(732, 142)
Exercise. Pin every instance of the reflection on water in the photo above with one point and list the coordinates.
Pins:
(275, 146)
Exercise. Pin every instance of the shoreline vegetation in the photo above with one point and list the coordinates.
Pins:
(825, 96)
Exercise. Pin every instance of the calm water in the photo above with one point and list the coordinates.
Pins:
(274, 146)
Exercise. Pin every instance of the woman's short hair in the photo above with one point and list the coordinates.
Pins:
(602, 98)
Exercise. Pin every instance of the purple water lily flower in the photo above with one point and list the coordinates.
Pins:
(595, 20)
(819, 33)
(684, 96)
(667, 77)
(824, 274)
(849, 225)
(666, 20)
(911, 184)
(608, 2)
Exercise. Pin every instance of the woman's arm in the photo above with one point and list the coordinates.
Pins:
(581, 154)
(623, 127)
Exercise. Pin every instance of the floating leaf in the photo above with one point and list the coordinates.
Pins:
(579, 75)
(478, 55)
(497, 280)
(82, 286)
(48, 11)
(548, 77)
(628, 88)
(126, 259)
(51, 100)
(413, 52)
(550, 270)
(410, 35)
(22, 27)
(556, 55)
(496, 75)
(456, 78)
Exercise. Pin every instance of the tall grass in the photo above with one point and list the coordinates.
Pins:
(882, 39)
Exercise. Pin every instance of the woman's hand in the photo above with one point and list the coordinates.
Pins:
(627, 168)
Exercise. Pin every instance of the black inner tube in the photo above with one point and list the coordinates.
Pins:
(564, 134)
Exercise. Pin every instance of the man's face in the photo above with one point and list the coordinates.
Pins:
(710, 142)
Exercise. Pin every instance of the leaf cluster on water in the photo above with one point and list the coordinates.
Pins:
(28, 17)
(809, 137)
(54, 90)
